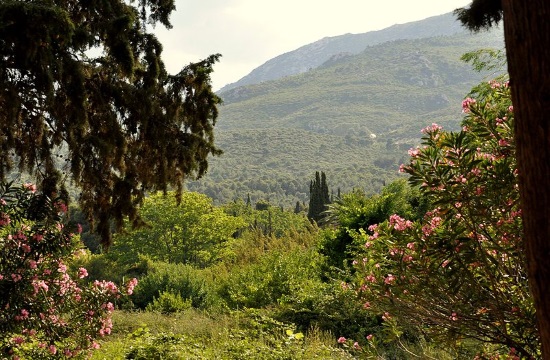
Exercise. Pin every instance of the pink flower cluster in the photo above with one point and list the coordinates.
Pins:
(131, 285)
(106, 286)
(431, 128)
(46, 304)
(4, 219)
(30, 186)
(400, 224)
(466, 103)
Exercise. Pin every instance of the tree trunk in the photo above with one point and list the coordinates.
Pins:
(527, 34)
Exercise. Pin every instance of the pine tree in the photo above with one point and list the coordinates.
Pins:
(318, 197)
(120, 122)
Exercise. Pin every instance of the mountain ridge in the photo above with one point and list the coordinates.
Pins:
(312, 55)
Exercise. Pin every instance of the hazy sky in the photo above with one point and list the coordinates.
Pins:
(249, 32)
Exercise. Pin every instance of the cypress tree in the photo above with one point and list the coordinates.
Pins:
(318, 197)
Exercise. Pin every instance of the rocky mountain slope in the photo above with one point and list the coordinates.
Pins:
(313, 55)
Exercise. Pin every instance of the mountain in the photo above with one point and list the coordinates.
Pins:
(354, 117)
(313, 55)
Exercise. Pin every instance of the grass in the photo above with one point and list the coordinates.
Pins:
(196, 335)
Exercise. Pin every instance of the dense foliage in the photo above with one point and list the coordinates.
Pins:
(459, 272)
(85, 82)
(45, 310)
(192, 232)
(278, 164)
(355, 210)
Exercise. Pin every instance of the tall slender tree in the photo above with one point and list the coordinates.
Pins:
(319, 196)
(527, 40)
(84, 81)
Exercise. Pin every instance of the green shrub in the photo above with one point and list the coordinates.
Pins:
(168, 302)
(328, 307)
(273, 276)
(177, 279)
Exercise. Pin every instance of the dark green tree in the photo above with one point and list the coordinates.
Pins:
(299, 207)
(319, 197)
(84, 82)
(527, 40)
(355, 210)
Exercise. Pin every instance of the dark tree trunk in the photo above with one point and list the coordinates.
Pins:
(527, 34)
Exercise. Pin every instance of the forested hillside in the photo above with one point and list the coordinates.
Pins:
(354, 118)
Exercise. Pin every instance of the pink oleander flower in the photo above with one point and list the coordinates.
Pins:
(370, 278)
(399, 224)
(131, 285)
(82, 273)
(61, 207)
(341, 340)
(366, 305)
(431, 128)
(38, 237)
(108, 286)
(30, 186)
(24, 314)
(413, 152)
(108, 306)
(4, 219)
(466, 103)
(503, 142)
(369, 337)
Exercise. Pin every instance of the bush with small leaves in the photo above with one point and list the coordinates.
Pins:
(45, 311)
(460, 271)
